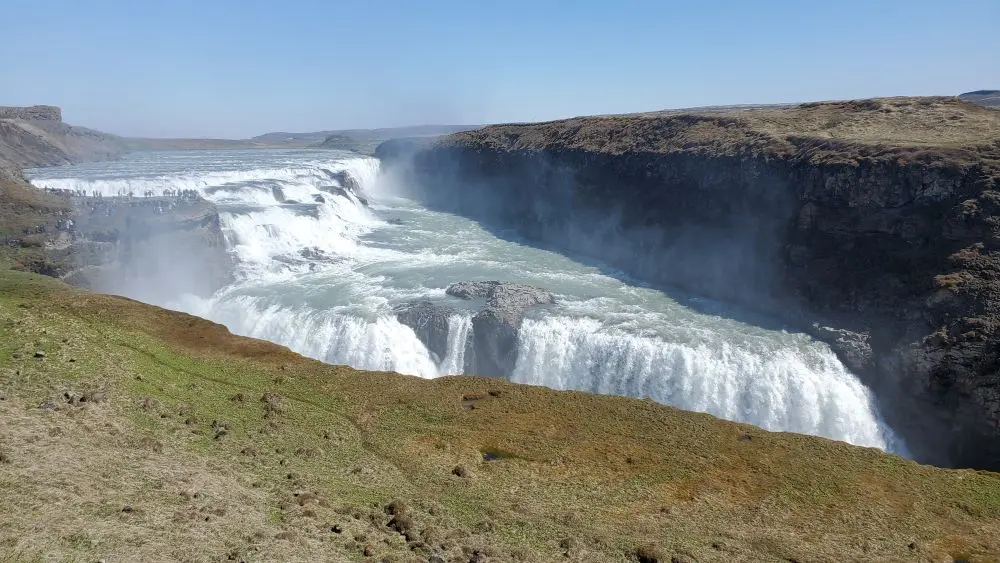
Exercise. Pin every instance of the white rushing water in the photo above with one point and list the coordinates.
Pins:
(320, 272)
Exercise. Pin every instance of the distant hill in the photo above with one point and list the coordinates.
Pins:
(988, 98)
(149, 144)
(359, 140)
(383, 133)
(36, 136)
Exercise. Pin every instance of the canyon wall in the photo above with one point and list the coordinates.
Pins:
(874, 225)
(149, 248)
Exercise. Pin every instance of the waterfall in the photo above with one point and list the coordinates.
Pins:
(320, 270)
(777, 388)
(459, 329)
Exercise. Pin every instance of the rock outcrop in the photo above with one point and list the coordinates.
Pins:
(31, 113)
(429, 322)
(147, 247)
(346, 186)
(36, 136)
(495, 328)
(278, 194)
(39, 225)
(491, 348)
(877, 218)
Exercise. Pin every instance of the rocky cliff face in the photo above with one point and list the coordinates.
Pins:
(149, 248)
(495, 327)
(36, 136)
(42, 113)
(873, 224)
(491, 347)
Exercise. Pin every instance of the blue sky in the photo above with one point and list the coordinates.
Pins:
(241, 68)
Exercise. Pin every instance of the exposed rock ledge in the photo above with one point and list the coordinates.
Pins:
(495, 328)
(492, 347)
(880, 218)
(429, 322)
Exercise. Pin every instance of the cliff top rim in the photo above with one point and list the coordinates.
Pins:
(31, 113)
(945, 122)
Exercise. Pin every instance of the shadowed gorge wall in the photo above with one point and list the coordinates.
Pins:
(895, 242)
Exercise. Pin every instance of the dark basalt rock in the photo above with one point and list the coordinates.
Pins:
(346, 181)
(853, 348)
(317, 254)
(430, 323)
(346, 186)
(492, 347)
(495, 328)
(148, 247)
(344, 192)
(278, 193)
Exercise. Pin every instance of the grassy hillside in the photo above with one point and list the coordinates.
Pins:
(134, 433)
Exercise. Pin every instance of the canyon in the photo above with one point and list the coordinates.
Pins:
(871, 224)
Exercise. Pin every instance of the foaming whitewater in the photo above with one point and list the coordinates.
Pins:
(459, 331)
(338, 337)
(776, 387)
(320, 269)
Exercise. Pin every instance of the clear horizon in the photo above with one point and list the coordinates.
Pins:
(241, 69)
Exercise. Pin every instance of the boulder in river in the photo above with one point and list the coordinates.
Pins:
(346, 181)
(430, 323)
(495, 328)
(492, 348)
(278, 193)
(344, 192)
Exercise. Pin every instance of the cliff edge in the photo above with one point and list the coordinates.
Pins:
(36, 136)
(874, 224)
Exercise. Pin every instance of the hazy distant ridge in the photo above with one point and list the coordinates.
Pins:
(383, 133)
(988, 98)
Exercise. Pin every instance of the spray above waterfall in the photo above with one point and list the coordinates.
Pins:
(326, 258)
